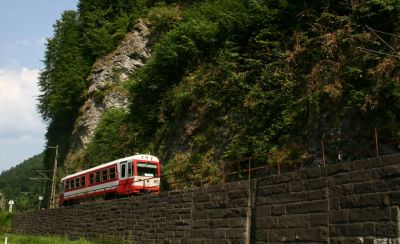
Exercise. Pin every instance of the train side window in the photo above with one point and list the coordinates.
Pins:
(105, 174)
(91, 179)
(77, 183)
(62, 184)
(130, 169)
(98, 176)
(123, 170)
(83, 179)
(71, 184)
(67, 185)
(112, 173)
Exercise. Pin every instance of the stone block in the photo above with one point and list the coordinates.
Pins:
(199, 233)
(341, 190)
(236, 233)
(199, 215)
(369, 214)
(320, 234)
(201, 198)
(296, 186)
(342, 178)
(283, 198)
(319, 194)
(266, 181)
(361, 175)
(311, 173)
(273, 189)
(283, 178)
(295, 221)
(262, 236)
(316, 183)
(390, 160)
(387, 172)
(217, 234)
(319, 219)
(352, 230)
(263, 211)
(233, 212)
(387, 230)
(267, 222)
(282, 236)
(362, 201)
(238, 203)
(219, 204)
(219, 223)
(307, 207)
(392, 184)
(395, 214)
(215, 214)
(278, 210)
(365, 187)
(237, 223)
(339, 216)
(365, 164)
(394, 198)
(274, 180)
(238, 194)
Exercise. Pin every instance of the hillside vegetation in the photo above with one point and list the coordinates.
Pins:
(17, 184)
(228, 79)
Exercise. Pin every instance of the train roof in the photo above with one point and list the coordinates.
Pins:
(134, 157)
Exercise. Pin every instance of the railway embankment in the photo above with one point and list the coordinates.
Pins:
(354, 202)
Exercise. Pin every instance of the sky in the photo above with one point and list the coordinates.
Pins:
(25, 25)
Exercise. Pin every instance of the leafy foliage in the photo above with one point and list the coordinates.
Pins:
(5, 221)
(247, 78)
(230, 78)
(110, 141)
(16, 184)
(79, 38)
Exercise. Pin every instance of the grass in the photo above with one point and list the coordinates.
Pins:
(30, 239)
(33, 239)
(5, 228)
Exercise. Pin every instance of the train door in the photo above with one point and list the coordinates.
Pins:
(122, 170)
(126, 173)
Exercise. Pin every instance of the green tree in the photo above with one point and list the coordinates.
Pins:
(110, 140)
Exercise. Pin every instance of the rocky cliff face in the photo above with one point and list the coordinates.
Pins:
(106, 78)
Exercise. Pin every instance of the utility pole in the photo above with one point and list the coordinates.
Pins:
(53, 202)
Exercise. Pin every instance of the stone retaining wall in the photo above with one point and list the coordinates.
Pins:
(354, 202)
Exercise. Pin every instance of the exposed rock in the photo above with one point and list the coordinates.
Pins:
(107, 74)
(118, 65)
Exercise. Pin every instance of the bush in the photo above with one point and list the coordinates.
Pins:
(5, 221)
(110, 139)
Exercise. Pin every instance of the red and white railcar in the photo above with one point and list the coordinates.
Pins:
(121, 177)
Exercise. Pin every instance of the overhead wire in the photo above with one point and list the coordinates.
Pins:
(380, 38)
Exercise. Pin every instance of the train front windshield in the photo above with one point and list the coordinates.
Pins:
(147, 169)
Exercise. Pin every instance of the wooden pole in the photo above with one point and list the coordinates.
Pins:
(250, 168)
(323, 152)
(376, 143)
(279, 167)
(53, 183)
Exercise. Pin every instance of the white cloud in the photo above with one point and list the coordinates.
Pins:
(20, 124)
(20, 43)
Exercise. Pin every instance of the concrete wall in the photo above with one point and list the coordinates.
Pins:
(354, 202)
